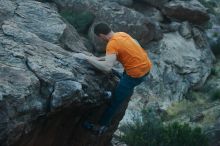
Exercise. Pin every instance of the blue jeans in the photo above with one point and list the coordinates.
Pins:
(123, 91)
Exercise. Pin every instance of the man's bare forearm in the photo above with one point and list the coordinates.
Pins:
(101, 65)
(101, 58)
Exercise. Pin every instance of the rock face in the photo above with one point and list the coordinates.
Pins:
(178, 65)
(6, 10)
(131, 21)
(124, 2)
(148, 11)
(155, 3)
(214, 132)
(45, 93)
(191, 11)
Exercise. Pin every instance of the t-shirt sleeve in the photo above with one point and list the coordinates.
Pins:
(111, 48)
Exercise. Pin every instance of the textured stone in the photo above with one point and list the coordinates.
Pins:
(6, 9)
(66, 92)
(185, 30)
(70, 40)
(196, 118)
(149, 11)
(178, 65)
(45, 23)
(199, 37)
(191, 11)
(140, 27)
(123, 2)
(213, 34)
(155, 3)
(172, 27)
(38, 79)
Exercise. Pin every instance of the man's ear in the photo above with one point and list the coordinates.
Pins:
(102, 36)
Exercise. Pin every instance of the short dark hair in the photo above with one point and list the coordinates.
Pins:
(102, 28)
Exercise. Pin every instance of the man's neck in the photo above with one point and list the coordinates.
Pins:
(110, 35)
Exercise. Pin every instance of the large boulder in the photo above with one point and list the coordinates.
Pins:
(155, 3)
(212, 86)
(127, 3)
(213, 35)
(178, 66)
(70, 40)
(133, 22)
(47, 24)
(42, 85)
(192, 11)
(6, 9)
(148, 11)
(214, 133)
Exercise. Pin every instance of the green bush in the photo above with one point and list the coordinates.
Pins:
(214, 72)
(210, 5)
(176, 134)
(147, 133)
(216, 94)
(150, 131)
(80, 20)
(216, 47)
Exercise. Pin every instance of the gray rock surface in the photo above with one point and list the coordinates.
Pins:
(38, 78)
(191, 11)
(140, 27)
(70, 40)
(155, 3)
(45, 23)
(6, 9)
(66, 92)
(127, 3)
(149, 11)
(185, 30)
(214, 133)
(178, 65)
(170, 27)
(212, 86)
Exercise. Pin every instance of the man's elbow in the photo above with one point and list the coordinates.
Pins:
(108, 68)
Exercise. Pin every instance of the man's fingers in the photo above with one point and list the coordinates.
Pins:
(80, 56)
(87, 53)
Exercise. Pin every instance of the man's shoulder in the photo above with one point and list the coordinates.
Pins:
(121, 34)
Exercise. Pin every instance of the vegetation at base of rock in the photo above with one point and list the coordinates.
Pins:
(216, 47)
(216, 94)
(151, 131)
(181, 107)
(214, 72)
(211, 5)
(80, 20)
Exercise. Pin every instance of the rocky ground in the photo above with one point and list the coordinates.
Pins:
(202, 108)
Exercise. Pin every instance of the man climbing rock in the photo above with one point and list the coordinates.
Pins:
(134, 59)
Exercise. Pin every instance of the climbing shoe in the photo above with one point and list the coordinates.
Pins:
(97, 130)
(88, 125)
(102, 130)
(107, 95)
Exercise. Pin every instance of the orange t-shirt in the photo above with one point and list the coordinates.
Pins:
(130, 54)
